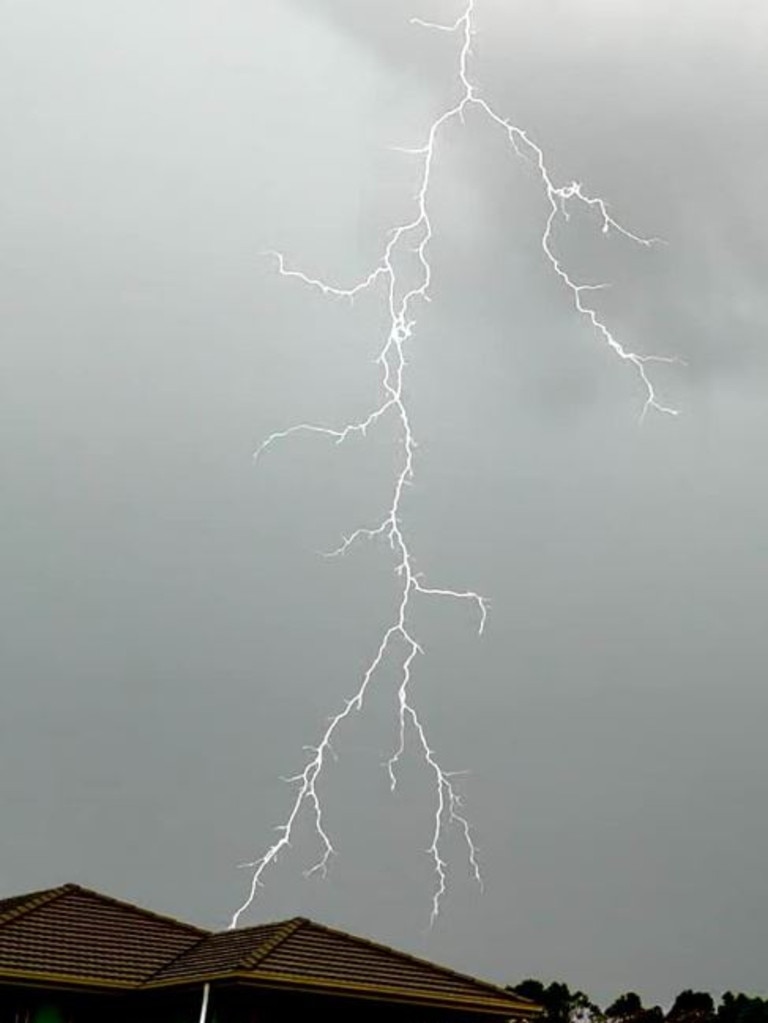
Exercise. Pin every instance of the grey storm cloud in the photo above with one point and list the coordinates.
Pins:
(172, 640)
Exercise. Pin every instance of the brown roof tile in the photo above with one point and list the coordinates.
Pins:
(18, 904)
(300, 953)
(332, 958)
(227, 952)
(71, 934)
(74, 933)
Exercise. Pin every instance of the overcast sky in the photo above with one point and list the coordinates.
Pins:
(171, 639)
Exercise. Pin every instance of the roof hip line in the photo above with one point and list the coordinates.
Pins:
(252, 959)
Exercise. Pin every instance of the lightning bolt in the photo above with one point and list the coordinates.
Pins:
(415, 235)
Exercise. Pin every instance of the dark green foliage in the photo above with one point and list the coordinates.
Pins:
(692, 1007)
(625, 1007)
(692, 1001)
(742, 1009)
(562, 1005)
(565, 1006)
(629, 1008)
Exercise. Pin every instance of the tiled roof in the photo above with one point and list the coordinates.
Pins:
(70, 932)
(226, 952)
(324, 957)
(9, 908)
(76, 936)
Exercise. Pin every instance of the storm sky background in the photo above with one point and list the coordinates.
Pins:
(171, 638)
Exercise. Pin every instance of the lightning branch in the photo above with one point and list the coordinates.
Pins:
(403, 301)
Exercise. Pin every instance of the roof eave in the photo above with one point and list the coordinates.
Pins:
(65, 980)
(341, 989)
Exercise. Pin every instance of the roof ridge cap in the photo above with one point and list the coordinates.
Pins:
(32, 901)
(253, 959)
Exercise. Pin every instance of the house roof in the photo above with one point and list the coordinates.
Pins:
(77, 937)
(71, 933)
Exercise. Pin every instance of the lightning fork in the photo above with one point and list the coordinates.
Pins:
(415, 234)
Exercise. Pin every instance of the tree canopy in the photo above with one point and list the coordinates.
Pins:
(562, 1005)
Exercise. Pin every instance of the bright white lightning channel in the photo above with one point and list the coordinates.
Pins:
(416, 234)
